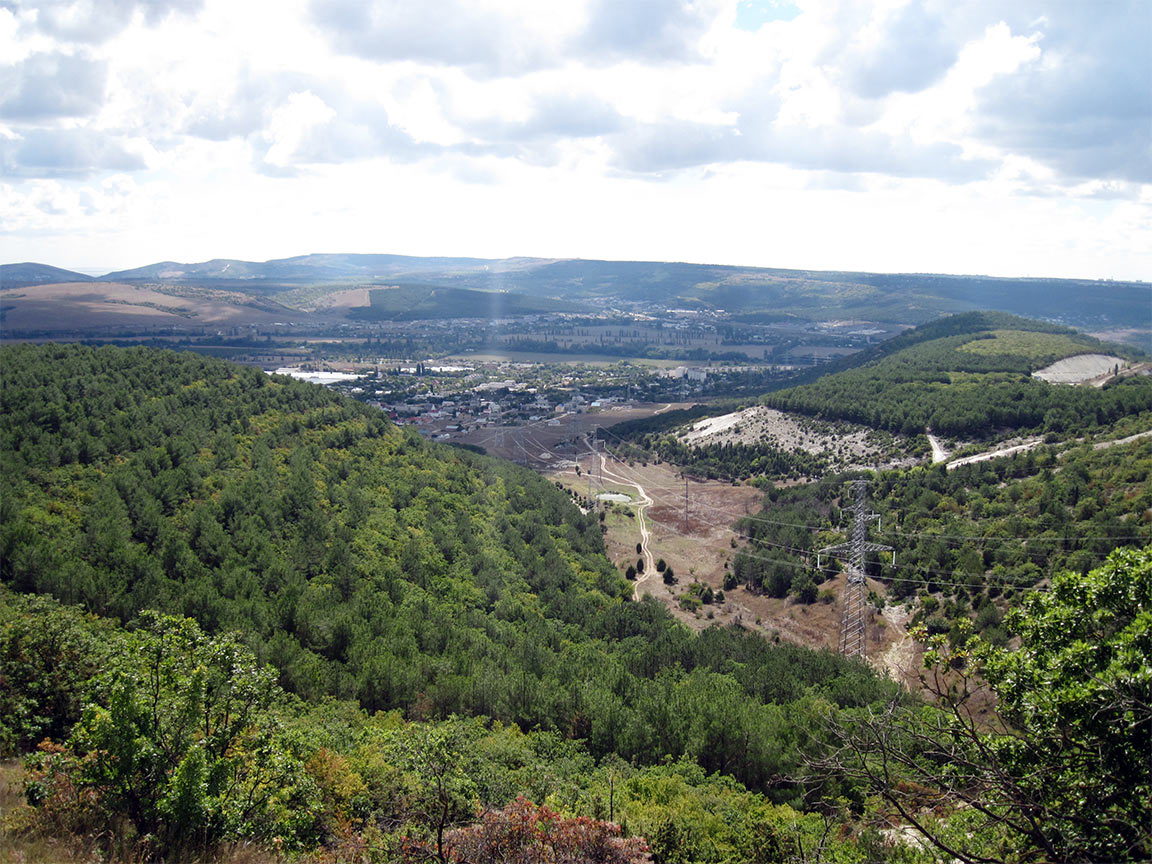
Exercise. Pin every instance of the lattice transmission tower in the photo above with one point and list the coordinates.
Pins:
(852, 637)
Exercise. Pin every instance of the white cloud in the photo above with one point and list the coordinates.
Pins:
(291, 123)
(818, 133)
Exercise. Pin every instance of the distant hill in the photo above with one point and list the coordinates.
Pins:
(29, 273)
(970, 376)
(748, 294)
(408, 303)
(306, 269)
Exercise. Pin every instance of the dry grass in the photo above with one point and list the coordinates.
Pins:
(699, 548)
(21, 842)
(100, 305)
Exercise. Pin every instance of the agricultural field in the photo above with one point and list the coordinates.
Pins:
(95, 306)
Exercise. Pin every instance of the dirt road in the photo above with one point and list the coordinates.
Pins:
(644, 503)
(939, 454)
(996, 454)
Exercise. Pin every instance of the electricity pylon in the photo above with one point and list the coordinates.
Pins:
(852, 638)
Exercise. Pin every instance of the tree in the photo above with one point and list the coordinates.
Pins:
(446, 795)
(804, 589)
(177, 740)
(1061, 773)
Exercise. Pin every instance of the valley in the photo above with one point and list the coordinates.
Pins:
(560, 549)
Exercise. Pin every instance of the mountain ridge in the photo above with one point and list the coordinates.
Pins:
(746, 294)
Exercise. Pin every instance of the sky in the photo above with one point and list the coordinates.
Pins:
(1001, 137)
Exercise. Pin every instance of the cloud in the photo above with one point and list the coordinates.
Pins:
(675, 146)
(1084, 105)
(66, 153)
(47, 86)
(913, 50)
(511, 38)
(242, 110)
(438, 32)
(95, 21)
(645, 30)
(327, 128)
(551, 120)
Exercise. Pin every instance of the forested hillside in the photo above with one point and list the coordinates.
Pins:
(218, 519)
(968, 375)
(366, 564)
(971, 542)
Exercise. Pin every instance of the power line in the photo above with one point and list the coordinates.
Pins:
(807, 552)
(960, 537)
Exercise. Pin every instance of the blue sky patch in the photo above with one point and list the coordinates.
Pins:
(754, 14)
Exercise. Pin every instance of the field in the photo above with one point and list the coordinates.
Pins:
(112, 305)
(699, 547)
(1023, 343)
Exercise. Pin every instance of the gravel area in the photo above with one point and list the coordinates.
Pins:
(1081, 368)
(844, 443)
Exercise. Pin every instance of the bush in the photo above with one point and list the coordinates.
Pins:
(177, 747)
(804, 589)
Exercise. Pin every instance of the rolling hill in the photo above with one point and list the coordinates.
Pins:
(411, 302)
(751, 294)
(367, 564)
(971, 376)
(29, 273)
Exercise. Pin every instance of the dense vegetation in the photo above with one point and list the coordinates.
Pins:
(172, 743)
(366, 564)
(971, 540)
(166, 741)
(730, 461)
(449, 645)
(970, 376)
(1061, 771)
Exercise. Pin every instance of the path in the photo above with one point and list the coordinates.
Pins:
(996, 454)
(644, 503)
(1103, 445)
(1028, 445)
(939, 454)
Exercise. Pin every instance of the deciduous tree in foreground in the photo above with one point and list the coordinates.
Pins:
(1062, 770)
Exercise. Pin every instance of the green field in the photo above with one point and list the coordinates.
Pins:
(1041, 348)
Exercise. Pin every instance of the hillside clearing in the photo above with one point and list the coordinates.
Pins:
(1080, 369)
(846, 445)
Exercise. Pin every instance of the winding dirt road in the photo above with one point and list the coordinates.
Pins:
(644, 503)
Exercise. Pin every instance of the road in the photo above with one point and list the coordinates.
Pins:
(645, 501)
(939, 454)
(1104, 445)
(996, 454)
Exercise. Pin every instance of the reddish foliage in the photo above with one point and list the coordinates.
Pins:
(524, 833)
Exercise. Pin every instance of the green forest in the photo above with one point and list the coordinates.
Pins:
(243, 612)
(968, 376)
(971, 541)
